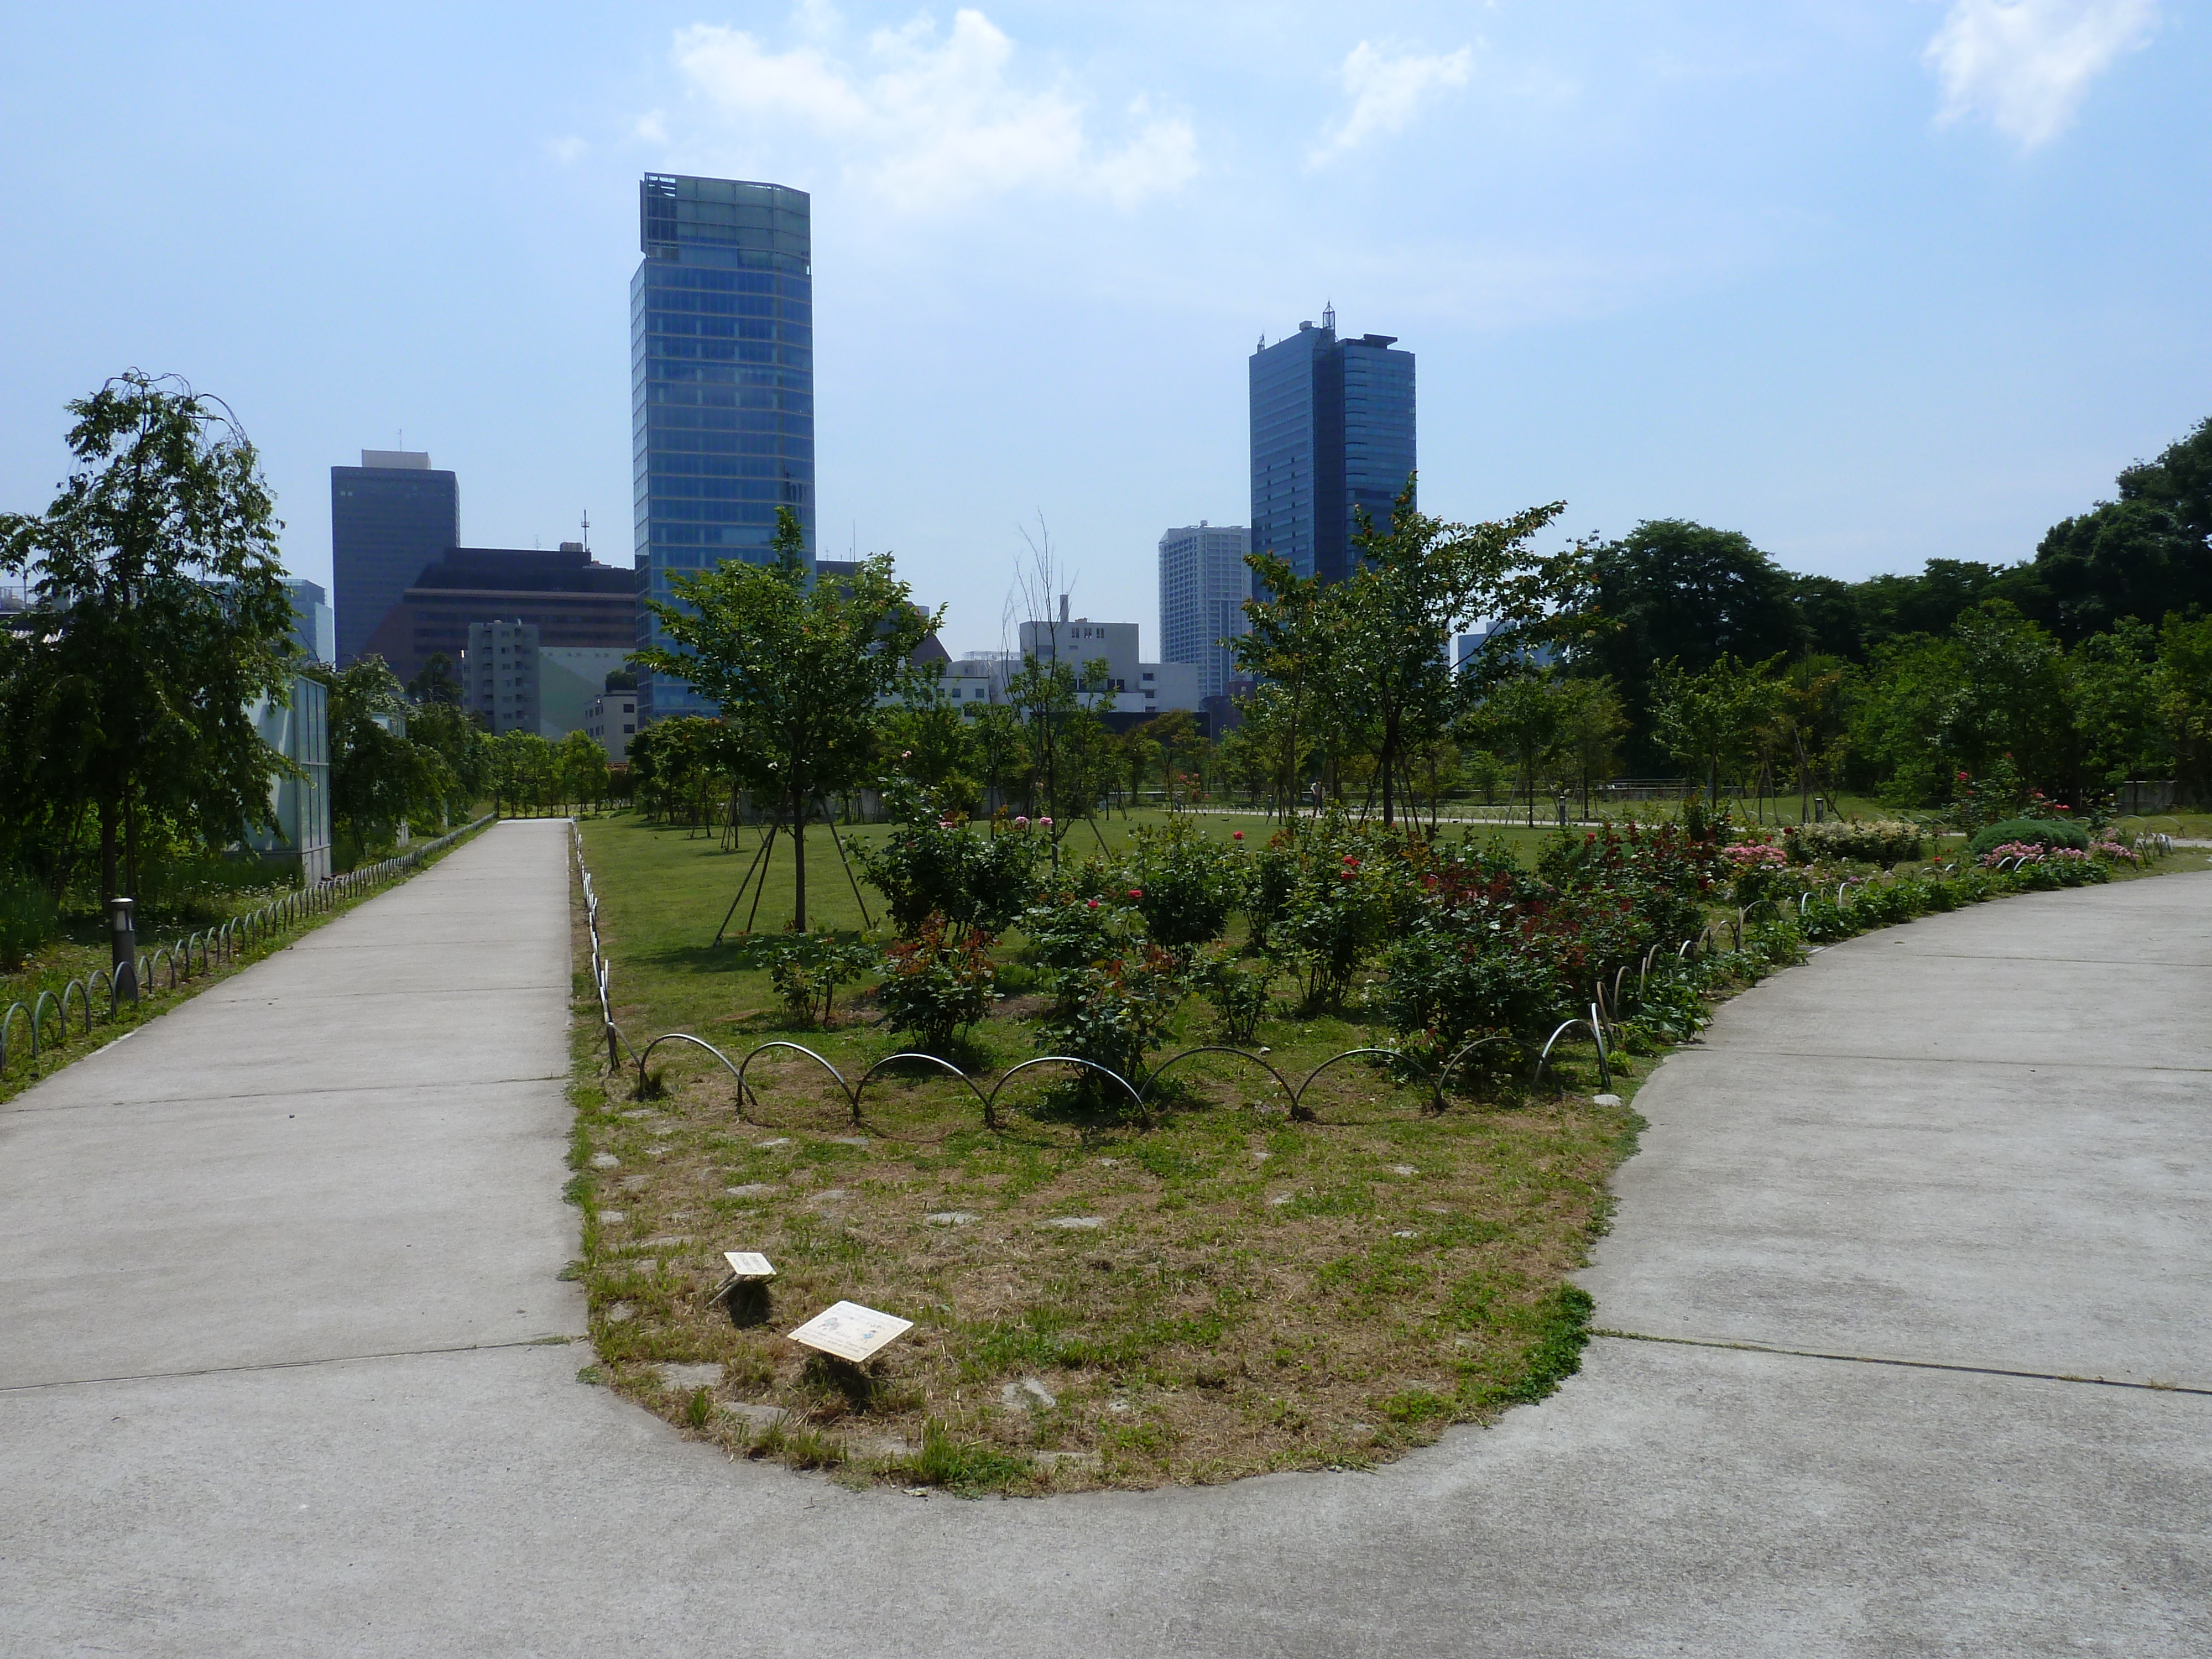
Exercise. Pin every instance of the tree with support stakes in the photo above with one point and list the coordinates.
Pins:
(798, 667)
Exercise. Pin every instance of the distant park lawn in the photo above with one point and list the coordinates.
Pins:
(1233, 1291)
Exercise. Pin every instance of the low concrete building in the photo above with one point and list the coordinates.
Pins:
(611, 722)
(1139, 688)
(518, 684)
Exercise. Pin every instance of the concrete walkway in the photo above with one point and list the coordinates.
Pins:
(272, 1271)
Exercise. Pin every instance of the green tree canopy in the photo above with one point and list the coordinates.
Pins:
(797, 667)
(161, 617)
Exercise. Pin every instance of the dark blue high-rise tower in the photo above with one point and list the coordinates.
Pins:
(721, 386)
(1332, 432)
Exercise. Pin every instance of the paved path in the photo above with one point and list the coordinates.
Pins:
(271, 1272)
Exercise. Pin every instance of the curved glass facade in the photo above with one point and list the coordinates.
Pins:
(722, 386)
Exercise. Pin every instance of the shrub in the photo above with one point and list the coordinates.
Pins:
(1187, 886)
(1881, 841)
(936, 983)
(810, 967)
(1238, 992)
(27, 919)
(1114, 992)
(2033, 832)
(1762, 872)
(937, 866)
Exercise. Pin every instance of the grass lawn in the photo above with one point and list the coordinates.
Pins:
(1227, 1293)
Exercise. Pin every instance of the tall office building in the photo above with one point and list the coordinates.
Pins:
(722, 386)
(1332, 432)
(1203, 583)
(390, 516)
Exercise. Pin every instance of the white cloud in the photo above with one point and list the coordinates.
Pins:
(930, 120)
(1388, 92)
(2026, 65)
(566, 151)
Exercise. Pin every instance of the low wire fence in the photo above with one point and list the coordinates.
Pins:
(1602, 1027)
(168, 967)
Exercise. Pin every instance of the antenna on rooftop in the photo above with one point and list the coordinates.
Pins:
(587, 529)
(1329, 315)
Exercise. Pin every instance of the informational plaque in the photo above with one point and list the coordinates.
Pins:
(850, 1331)
(749, 1264)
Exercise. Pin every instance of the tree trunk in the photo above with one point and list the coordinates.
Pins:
(1389, 765)
(107, 853)
(130, 839)
(799, 859)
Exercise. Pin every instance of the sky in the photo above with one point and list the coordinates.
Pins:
(1872, 282)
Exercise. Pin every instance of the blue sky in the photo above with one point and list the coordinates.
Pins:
(1869, 281)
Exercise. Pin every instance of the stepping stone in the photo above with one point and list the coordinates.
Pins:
(688, 1377)
(1403, 1169)
(605, 1161)
(671, 1243)
(848, 1140)
(641, 1113)
(828, 1195)
(1029, 1392)
(1437, 1209)
(758, 1417)
(889, 1445)
(750, 1189)
(613, 1218)
(1074, 1222)
(1109, 1163)
(1605, 1100)
(622, 1313)
(1405, 1234)
(1281, 1199)
(951, 1217)
(781, 1140)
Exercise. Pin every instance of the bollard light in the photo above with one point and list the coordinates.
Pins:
(123, 948)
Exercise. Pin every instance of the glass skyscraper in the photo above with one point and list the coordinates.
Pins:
(721, 386)
(1332, 432)
(390, 516)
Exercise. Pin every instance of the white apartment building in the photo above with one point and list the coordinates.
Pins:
(1204, 582)
(610, 721)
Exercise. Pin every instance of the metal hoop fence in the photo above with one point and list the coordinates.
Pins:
(1141, 1095)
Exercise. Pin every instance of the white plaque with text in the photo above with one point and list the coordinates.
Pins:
(850, 1331)
(749, 1264)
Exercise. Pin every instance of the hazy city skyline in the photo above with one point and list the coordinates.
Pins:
(1869, 284)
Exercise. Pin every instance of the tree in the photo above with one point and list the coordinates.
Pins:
(797, 667)
(1675, 591)
(1711, 720)
(2112, 687)
(462, 744)
(436, 683)
(1591, 725)
(378, 778)
(1995, 690)
(581, 765)
(160, 616)
(2184, 685)
(1289, 645)
(1520, 717)
(1169, 730)
(1382, 633)
(2142, 556)
(929, 740)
